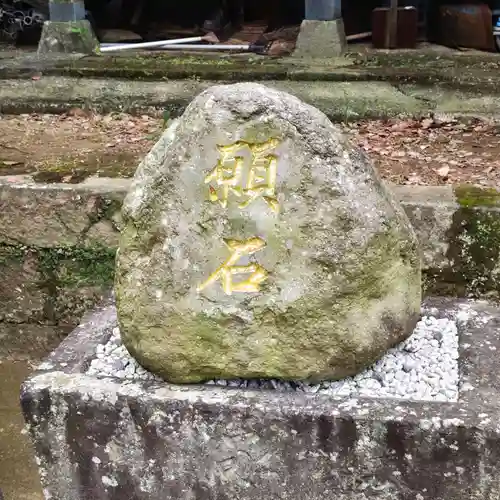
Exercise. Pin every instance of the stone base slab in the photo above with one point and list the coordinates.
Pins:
(110, 439)
(68, 37)
(321, 39)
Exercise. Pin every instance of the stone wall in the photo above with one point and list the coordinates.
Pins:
(57, 247)
(58, 242)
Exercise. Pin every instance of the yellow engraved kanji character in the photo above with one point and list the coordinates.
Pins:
(259, 181)
(227, 174)
(262, 174)
(227, 270)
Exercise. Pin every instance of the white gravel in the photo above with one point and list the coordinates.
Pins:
(423, 368)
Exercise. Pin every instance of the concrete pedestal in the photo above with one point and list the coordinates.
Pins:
(113, 439)
(321, 39)
(68, 37)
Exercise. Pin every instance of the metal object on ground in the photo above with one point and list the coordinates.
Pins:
(187, 44)
(149, 45)
(209, 37)
(358, 36)
(246, 47)
(257, 48)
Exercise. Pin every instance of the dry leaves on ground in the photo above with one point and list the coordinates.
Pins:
(427, 151)
(431, 151)
(78, 140)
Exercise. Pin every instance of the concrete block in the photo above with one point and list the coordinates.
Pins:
(68, 37)
(112, 439)
(321, 39)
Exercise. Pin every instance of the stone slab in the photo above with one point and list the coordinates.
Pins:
(341, 99)
(338, 100)
(110, 439)
(58, 215)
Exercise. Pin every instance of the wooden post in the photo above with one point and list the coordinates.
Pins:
(391, 28)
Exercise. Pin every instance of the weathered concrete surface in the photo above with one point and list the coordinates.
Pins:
(459, 258)
(107, 439)
(338, 100)
(324, 265)
(68, 37)
(59, 218)
(321, 39)
(430, 66)
(459, 231)
(19, 479)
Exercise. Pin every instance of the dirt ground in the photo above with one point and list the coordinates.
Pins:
(68, 148)
(430, 152)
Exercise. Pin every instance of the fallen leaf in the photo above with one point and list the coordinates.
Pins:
(427, 123)
(77, 112)
(398, 154)
(9, 163)
(443, 171)
(404, 125)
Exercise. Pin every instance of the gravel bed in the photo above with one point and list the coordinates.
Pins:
(422, 368)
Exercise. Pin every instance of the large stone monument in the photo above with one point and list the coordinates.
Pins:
(260, 247)
(258, 244)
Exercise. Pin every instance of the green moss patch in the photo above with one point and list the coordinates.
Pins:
(170, 66)
(67, 267)
(10, 254)
(76, 267)
(474, 196)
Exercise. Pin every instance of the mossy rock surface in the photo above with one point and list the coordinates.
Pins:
(258, 244)
(473, 247)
